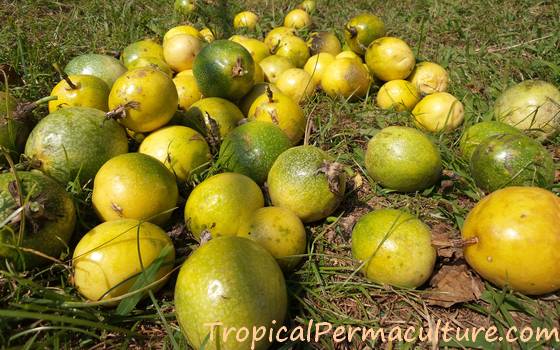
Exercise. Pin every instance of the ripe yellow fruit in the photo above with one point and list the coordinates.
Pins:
(349, 54)
(390, 58)
(273, 66)
(398, 94)
(256, 48)
(279, 231)
(429, 77)
(347, 78)
(439, 111)
(259, 74)
(87, 91)
(245, 19)
(151, 62)
(308, 5)
(297, 19)
(316, 65)
(182, 29)
(281, 110)
(294, 49)
(207, 35)
(257, 91)
(324, 42)
(273, 37)
(180, 50)
(110, 258)
(297, 84)
(187, 89)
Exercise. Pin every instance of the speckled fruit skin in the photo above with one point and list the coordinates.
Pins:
(346, 77)
(511, 160)
(134, 186)
(155, 93)
(53, 232)
(105, 67)
(296, 183)
(280, 232)
(251, 149)
(361, 30)
(74, 142)
(324, 42)
(181, 149)
(225, 114)
(395, 248)
(475, 134)
(403, 159)
(221, 203)
(224, 69)
(231, 280)
(108, 255)
(390, 58)
(517, 236)
(13, 133)
(142, 48)
(532, 105)
(90, 91)
(281, 111)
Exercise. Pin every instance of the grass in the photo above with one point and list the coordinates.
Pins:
(486, 46)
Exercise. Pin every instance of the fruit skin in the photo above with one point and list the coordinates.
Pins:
(297, 181)
(134, 186)
(429, 77)
(308, 6)
(517, 236)
(275, 35)
(297, 19)
(181, 149)
(361, 30)
(187, 90)
(347, 78)
(439, 111)
(142, 48)
(224, 69)
(221, 203)
(511, 160)
(297, 84)
(54, 229)
(153, 91)
(274, 65)
(245, 19)
(251, 149)
(108, 255)
(207, 35)
(395, 248)
(256, 48)
(89, 91)
(180, 50)
(13, 133)
(184, 7)
(390, 58)
(532, 105)
(105, 67)
(224, 113)
(317, 65)
(324, 42)
(403, 159)
(231, 280)
(398, 94)
(294, 49)
(281, 110)
(257, 91)
(182, 29)
(280, 232)
(475, 134)
(151, 62)
(74, 142)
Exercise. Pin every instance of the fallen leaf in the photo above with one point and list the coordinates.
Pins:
(454, 284)
(446, 246)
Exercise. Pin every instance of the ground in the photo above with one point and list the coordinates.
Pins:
(486, 46)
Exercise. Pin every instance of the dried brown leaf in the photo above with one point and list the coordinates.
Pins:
(454, 284)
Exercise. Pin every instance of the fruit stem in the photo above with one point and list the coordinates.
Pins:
(120, 111)
(352, 30)
(269, 94)
(64, 76)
